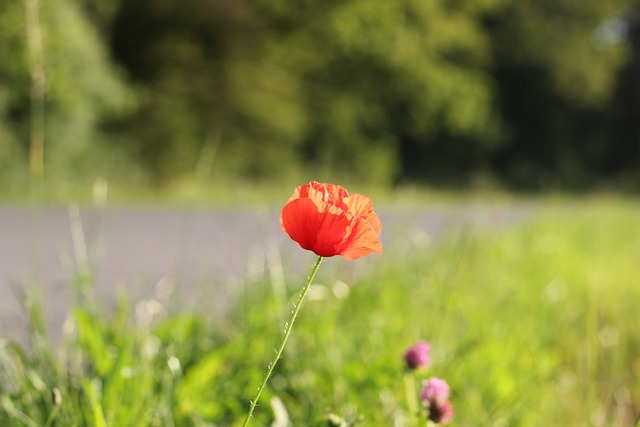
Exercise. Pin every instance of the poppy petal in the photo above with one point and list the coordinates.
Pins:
(362, 241)
(318, 231)
(331, 233)
(361, 206)
(322, 194)
(300, 220)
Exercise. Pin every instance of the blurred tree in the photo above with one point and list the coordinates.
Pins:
(331, 88)
(440, 91)
(208, 68)
(554, 70)
(621, 159)
(385, 81)
(389, 80)
(14, 95)
(83, 89)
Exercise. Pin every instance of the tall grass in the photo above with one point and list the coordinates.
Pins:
(37, 92)
(532, 325)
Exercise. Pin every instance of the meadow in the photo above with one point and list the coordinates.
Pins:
(534, 324)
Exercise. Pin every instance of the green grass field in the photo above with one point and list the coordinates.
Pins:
(533, 325)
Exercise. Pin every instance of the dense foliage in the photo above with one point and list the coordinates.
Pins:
(523, 92)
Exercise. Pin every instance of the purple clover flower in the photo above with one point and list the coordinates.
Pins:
(418, 356)
(434, 389)
(440, 412)
(435, 395)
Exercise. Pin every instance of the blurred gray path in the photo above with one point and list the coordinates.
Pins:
(192, 257)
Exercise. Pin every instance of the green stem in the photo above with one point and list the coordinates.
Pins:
(287, 331)
(38, 84)
(412, 398)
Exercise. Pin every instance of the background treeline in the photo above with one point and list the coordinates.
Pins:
(530, 94)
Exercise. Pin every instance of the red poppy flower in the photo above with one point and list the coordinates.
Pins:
(327, 220)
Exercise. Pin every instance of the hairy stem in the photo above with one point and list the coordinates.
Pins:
(287, 331)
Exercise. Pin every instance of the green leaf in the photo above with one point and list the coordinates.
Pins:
(91, 336)
(91, 390)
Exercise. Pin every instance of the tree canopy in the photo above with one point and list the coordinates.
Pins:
(526, 93)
